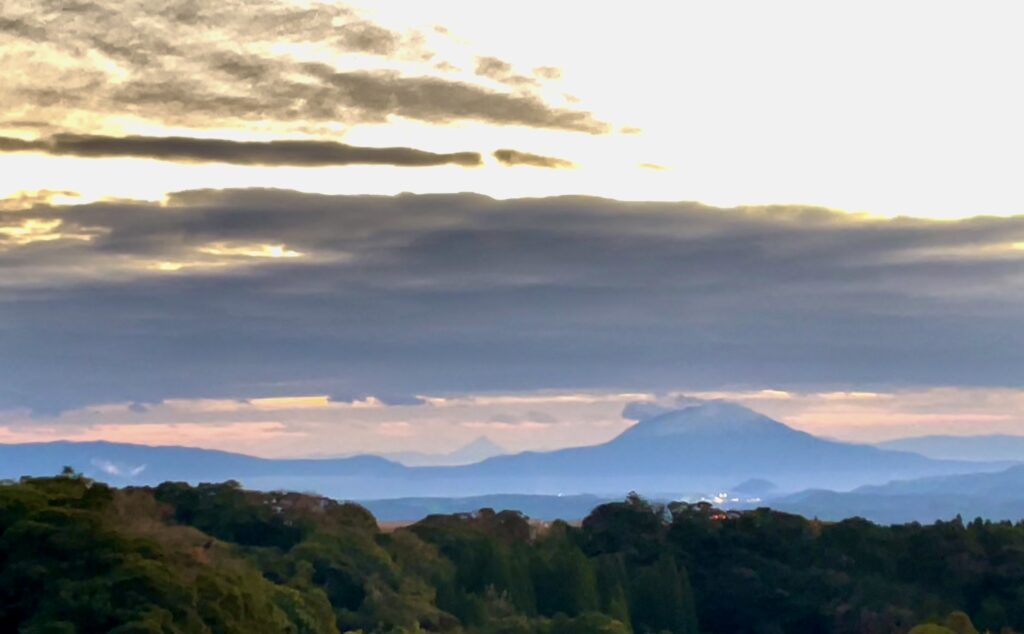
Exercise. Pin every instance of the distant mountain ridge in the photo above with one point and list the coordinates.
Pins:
(704, 447)
(994, 447)
(707, 446)
(994, 496)
(479, 449)
(121, 462)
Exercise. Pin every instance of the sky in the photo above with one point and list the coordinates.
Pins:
(303, 228)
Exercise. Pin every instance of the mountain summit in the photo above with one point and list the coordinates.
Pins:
(704, 447)
(715, 418)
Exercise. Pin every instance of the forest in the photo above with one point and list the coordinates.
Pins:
(81, 557)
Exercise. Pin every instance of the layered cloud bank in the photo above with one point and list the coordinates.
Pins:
(254, 293)
(539, 420)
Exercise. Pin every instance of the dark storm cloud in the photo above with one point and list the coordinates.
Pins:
(187, 149)
(513, 157)
(210, 64)
(445, 294)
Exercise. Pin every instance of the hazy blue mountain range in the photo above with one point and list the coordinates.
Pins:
(706, 447)
(691, 451)
(995, 496)
(981, 448)
(479, 449)
(126, 463)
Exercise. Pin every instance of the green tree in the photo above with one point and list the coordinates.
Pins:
(663, 600)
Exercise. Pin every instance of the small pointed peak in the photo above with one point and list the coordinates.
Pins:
(479, 449)
(482, 442)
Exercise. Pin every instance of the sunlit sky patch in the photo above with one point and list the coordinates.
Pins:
(890, 109)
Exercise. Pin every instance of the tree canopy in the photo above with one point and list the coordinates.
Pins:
(78, 557)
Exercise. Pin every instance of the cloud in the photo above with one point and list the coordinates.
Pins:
(292, 427)
(531, 417)
(397, 429)
(501, 71)
(541, 417)
(523, 426)
(389, 400)
(643, 410)
(203, 64)
(187, 149)
(454, 294)
(513, 157)
(110, 468)
(345, 428)
(29, 199)
(369, 38)
(646, 409)
(372, 96)
(493, 67)
(548, 72)
(18, 145)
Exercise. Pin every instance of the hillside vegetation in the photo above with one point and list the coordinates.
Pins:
(78, 557)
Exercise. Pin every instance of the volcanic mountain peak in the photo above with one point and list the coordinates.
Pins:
(705, 417)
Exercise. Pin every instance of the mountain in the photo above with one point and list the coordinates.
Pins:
(480, 449)
(704, 447)
(123, 463)
(477, 450)
(992, 448)
(685, 453)
(994, 496)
